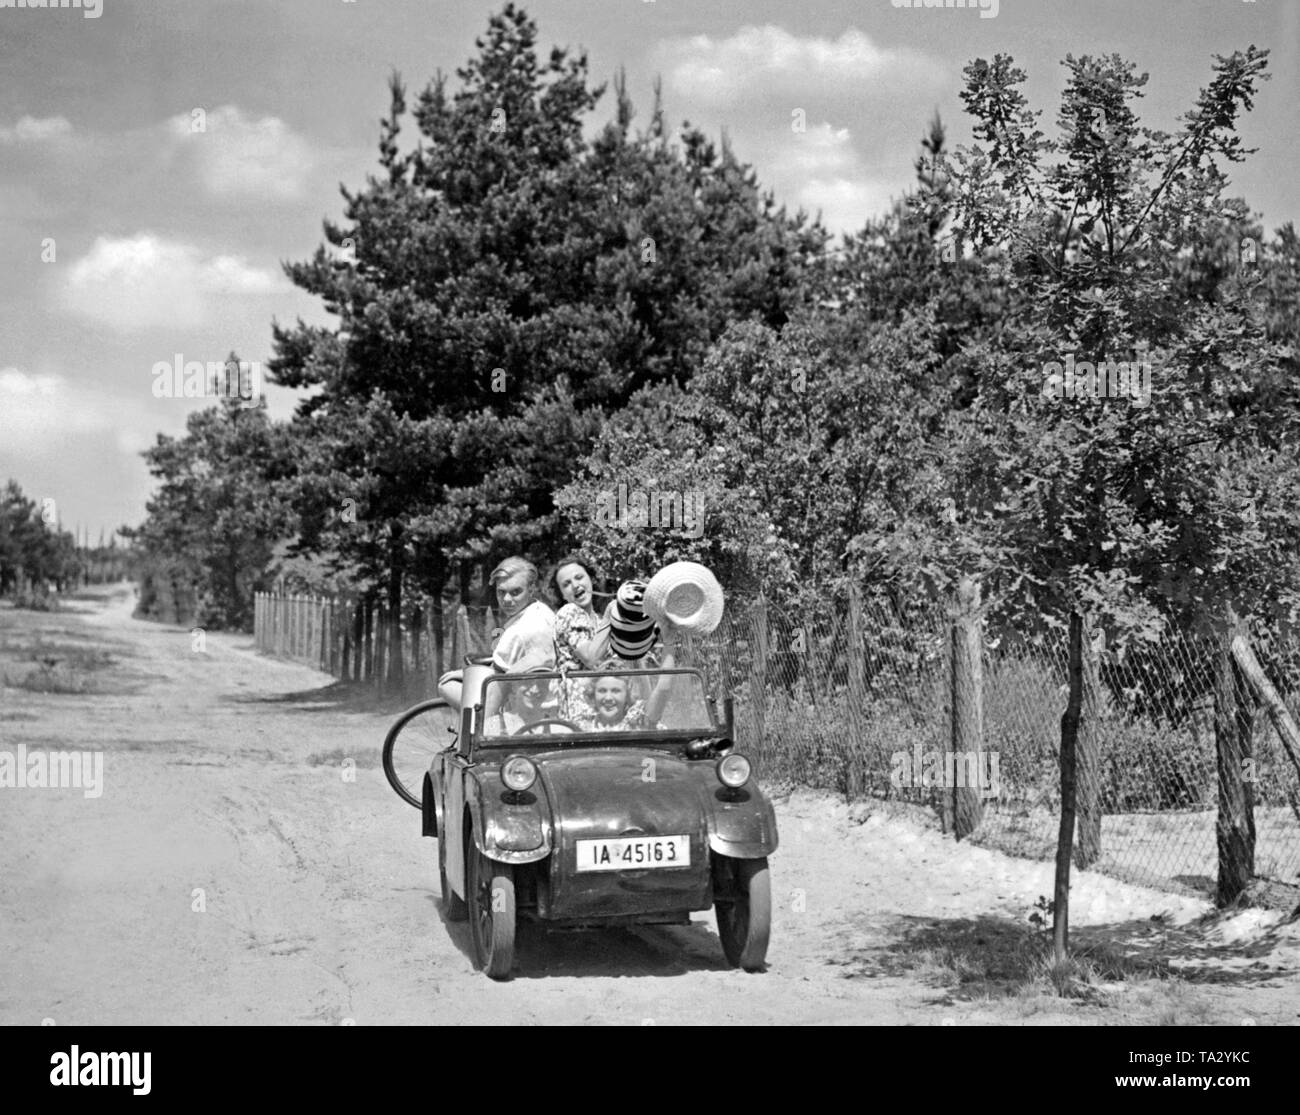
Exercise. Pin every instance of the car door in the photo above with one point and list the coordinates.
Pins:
(453, 819)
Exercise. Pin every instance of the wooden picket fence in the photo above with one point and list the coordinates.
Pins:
(359, 640)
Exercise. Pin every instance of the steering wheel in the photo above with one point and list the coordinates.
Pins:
(527, 729)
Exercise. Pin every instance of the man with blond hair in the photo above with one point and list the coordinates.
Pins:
(527, 638)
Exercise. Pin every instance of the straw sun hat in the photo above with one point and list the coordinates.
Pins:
(686, 595)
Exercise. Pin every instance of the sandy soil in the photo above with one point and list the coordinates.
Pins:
(230, 873)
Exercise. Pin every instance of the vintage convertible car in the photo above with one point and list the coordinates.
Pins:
(588, 800)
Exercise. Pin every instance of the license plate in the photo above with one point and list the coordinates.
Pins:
(634, 852)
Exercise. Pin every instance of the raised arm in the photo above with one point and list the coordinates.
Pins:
(655, 705)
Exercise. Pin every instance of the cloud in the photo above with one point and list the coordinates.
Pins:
(771, 63)
(40, 408)
(831, 125)
(235, 156)
(823, 171)
(14, 383)
(822, 150)
(141, 281)
(79, 443)
(31, 130)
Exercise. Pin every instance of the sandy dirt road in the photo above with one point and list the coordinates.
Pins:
(230, 874)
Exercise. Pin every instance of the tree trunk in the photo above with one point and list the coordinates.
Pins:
(1235, 826)
(1088, 754)
(1065, 834)
(963, 804)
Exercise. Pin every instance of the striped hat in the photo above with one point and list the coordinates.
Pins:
(632, 632)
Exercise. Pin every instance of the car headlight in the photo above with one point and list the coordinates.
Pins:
(518, 773)
(733, 770)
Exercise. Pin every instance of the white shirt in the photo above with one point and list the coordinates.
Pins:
(527, 641)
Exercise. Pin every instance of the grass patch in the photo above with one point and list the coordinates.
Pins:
(27, 601)
(1171, 1002)
(51, 679)
(991, 959)
(40, 664)
(72, 658)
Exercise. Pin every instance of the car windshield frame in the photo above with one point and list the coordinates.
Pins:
(606, 737)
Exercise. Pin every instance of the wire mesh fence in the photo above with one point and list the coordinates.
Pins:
(1148, 798)
(1177, 766)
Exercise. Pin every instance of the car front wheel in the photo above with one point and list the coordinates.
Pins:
(743, 907)
(491, 887)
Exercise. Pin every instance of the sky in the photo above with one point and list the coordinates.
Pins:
(161, 159)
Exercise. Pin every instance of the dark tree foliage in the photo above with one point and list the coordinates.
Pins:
(34, 554)
(214, 517)
(501, 286)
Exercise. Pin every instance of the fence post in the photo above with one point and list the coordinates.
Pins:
(963, 807)
(345, 637)
(1262, 690)
(356, 622)
(856, 781)
(433, 621)
(417, 633)
(368, 656)
(1235, 826)
(461, 644)
(758, 674)
(1087, 759)
(337, 666)
(327, 635)
(395, 665)
(1065, 834)
(725, 641)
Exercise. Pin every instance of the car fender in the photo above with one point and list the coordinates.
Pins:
(430, 814)
(512, 828)
(742, 823)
